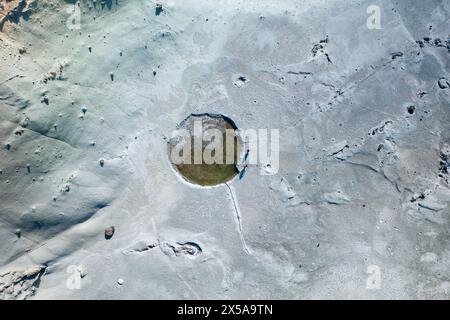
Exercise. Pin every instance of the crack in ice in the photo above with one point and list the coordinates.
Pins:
(238, 218)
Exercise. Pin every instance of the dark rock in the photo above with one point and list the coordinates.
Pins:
(396, 55)
(158, 9)
(411, 109)
(109, 232)
(443, 83)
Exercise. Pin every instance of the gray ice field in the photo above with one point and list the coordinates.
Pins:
(353, 201)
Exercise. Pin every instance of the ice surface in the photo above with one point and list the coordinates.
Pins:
(362, 190)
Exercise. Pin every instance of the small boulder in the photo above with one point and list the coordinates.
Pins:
(443, 83)
(158, 9)
(411, 109)
(109, 232)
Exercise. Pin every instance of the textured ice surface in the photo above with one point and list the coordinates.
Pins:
(362, 189)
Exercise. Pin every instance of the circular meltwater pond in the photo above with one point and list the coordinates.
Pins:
(205, 149)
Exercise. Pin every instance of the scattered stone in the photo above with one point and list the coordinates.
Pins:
(111, 74)
(52, 75)
(419, 197)
(240, 81)
(438, 43)
(443, 83)
(120, 282)
(396, 55)
(18, 233)
(102, 162)
(84, 110)
(421, 94)
(324, 40)
(158, 9)
(90, 49)
(411, 109)
(316, 48)
(320, 47)
(444, 164)
(67, 188)
(8, 146)
(82, 271)
(22, 50)
(28, 167)
(45, 100)
(109, 232)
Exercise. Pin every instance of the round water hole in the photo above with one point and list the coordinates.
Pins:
(205, 149)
